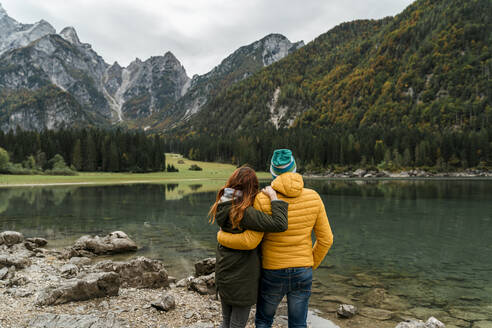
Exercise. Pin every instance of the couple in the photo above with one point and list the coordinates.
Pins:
(282, 217)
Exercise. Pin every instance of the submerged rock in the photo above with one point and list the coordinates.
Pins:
(377, 314)
(336, 299)
(411, 324)
(115, 242)
(205, 267)
(91, 286)
(380, 298)
(468, 314)
(431, 323)
(139, 273)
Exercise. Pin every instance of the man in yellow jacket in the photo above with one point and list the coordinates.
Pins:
(289, 257)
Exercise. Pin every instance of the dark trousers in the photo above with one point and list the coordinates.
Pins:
(274, 285)
(234, 316)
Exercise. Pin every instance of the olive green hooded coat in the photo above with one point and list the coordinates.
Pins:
(237, 272)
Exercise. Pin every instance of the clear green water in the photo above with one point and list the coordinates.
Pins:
(425, 243)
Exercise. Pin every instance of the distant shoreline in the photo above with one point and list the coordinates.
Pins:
(338, 177)
(416, 174)
(89, 183)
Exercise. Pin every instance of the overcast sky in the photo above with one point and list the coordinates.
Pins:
(200, 33)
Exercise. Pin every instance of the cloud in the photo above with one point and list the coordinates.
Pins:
(200, 33)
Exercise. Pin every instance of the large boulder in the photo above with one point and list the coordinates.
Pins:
(204, 284)
(115, 242)
(19, 260)
(140, 272)
(50, 320)
(34, 243)
(205, 267)
(40, 242)
(10, 238)
(93, 285)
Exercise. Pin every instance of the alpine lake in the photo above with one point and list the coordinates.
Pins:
(402, 248)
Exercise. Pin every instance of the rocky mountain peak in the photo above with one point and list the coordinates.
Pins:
(39, 29)
(2, 11)
(170, 56)
(276, 47)
(69, 34)
(114, 70)
(16, 35)
(274, 37)
(8, 25)
(115, 65)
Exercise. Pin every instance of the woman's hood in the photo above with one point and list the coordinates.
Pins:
(289, 184)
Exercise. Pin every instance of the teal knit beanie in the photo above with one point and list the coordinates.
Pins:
(282, 162)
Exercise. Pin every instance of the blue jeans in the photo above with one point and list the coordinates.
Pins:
(293, 282)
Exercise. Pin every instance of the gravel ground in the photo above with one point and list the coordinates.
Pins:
(132, 305)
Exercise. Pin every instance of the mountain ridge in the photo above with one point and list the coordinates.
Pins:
(149, 92)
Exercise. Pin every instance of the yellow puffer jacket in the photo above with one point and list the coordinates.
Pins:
(294, 247)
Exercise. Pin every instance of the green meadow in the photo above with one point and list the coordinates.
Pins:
(217, 172)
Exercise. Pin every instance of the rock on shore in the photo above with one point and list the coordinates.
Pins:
(205, 267)
(10, 238)
(93, 285)
(44, 288)
(66, 320)
(113, 243)
(140, 272)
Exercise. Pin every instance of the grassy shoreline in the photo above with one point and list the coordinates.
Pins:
(210, 171)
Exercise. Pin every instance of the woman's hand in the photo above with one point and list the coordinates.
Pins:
(270, 192)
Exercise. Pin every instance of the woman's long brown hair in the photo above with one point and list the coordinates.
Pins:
(245, 180)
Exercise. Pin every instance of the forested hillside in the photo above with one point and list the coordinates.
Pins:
(413, 90)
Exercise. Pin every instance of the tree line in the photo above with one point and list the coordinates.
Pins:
(321, 149)
(89, 149)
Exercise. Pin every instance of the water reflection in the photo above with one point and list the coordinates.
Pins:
(423, 243)
(399, 245)
(165, 229)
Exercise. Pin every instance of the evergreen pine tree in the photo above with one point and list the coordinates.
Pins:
(77, 155)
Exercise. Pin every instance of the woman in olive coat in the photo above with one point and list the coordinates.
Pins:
(237, 272)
